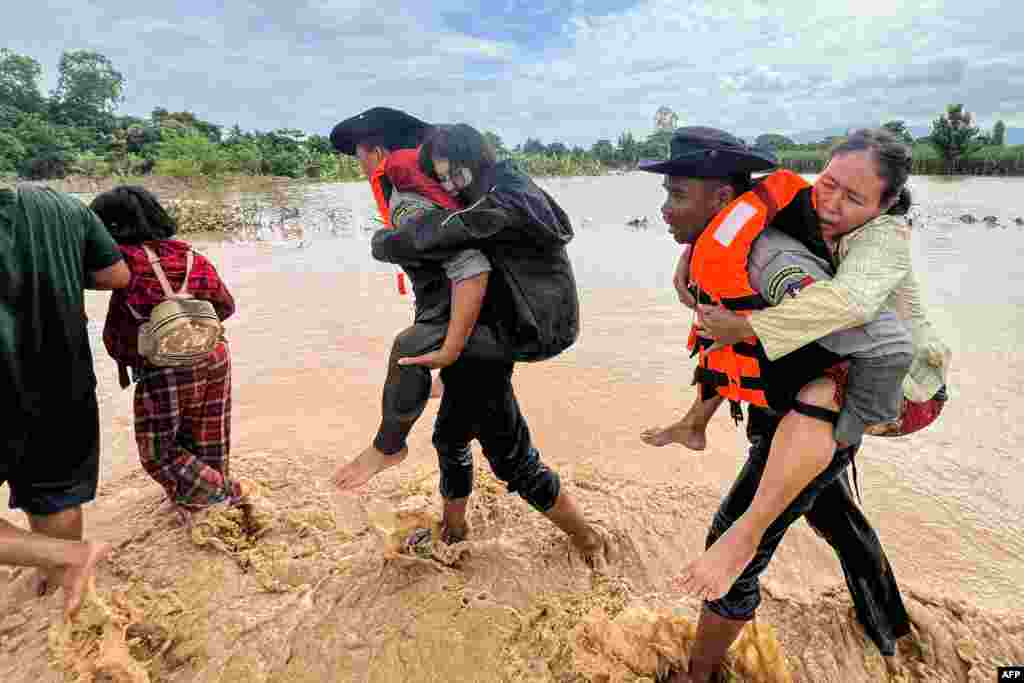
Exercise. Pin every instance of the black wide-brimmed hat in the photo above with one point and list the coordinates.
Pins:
(700, 152)
(386, 127)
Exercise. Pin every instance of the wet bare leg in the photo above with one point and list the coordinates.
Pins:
(365, 467)
(183, 514)
(689, 431)
(801, 450)
(586, 538)
(715, 635)
(71, 563)
(436, 386)
(251, 522)
(454, 527)
(180, 513)
(68, 525)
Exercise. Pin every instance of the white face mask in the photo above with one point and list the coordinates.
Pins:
(457, 182)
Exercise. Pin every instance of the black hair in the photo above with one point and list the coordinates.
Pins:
(740, 182)
(372, 142)
(133, 215)
(464, 147)
(893, 161)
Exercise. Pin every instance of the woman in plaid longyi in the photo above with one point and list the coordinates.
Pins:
(182, 414)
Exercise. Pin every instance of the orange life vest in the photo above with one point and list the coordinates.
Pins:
(718, 275)
(377, 185)
(400, 169)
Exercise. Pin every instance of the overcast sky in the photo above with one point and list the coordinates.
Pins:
(568, 70)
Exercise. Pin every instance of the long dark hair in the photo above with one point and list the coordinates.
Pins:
(893, 161)
(464, 147)
(133, 215)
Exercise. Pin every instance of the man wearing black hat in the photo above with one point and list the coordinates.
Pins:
(531, 315)
(371, 137)
(384, 140)
(377, 131)
(707, 170)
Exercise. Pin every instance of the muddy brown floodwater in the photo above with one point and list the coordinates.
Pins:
(320, 594)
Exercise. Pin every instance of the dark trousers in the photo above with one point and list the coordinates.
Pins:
(52, 460)
(407, 387)
(480, 403)
(830, 509)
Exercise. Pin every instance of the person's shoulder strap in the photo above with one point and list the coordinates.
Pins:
(154, 261)
(188, 269)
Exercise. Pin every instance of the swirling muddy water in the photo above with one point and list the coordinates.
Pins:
(316, 316)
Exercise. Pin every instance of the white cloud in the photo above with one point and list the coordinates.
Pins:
(746, 65)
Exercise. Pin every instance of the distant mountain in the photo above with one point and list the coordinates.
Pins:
(1014, 136)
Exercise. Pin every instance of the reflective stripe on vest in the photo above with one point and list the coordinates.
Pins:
(718, 275)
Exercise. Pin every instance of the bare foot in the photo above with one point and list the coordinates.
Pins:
(691, 436)
(365, 467)
(45, 582)
(77, 578)
(183, 514)
(436, 387)
(452, 534)
(713, 573)
(593, 548)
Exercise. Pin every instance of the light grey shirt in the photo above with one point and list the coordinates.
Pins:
(780, 265)
(880, 351)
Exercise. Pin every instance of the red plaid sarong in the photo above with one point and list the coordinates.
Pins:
(914, 416)
(183, 429)
(840, 374)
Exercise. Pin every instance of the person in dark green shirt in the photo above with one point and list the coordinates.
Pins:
(52, 248)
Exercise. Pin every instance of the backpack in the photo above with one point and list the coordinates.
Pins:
(181, 329)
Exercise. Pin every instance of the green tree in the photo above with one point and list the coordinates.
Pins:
(48, 149)
(12, 153)
(9, 117)
(236, 135)
(19, 83)
(656, 146)
(186, 121)
(496, 143)
(774, 141)
(999, 134)
(557, 148)
(603, 151)
(900, 130)
(189, 153)
(954, 134)
(88, 91)
(533, 146)
(317, 144)
(628, 149)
